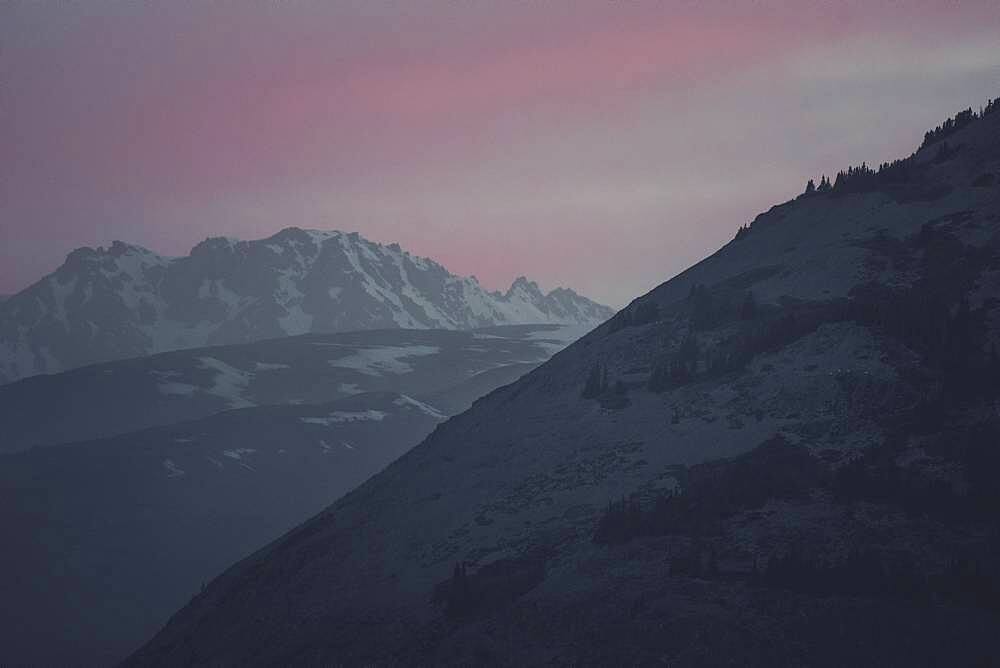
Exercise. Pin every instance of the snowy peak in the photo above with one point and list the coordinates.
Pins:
(117, 254)
(522, 286)
(525, 302)
(126, 301)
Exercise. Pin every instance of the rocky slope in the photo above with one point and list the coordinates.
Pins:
(126, 301)
(799, 435)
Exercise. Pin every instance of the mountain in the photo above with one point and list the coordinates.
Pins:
(126, 301)
(182, 463)
(448, 368)
(786, 455)
(108, 537)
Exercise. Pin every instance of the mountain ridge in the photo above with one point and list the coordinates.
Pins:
(480, 545)
(127, 301)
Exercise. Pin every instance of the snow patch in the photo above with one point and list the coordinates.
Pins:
(238, 453)
(327, 448)
(404, 400)
(296, 320)
(229, 382)
(380, 360)
(215, 289)
(60, 293)
(173, 471)
(270, 366)
(379, 292)
(320, 236)
(338, 417)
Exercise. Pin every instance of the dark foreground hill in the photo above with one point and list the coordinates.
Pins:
(784, 456)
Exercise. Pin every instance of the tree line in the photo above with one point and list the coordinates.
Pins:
(713, 491)
(863, 178)
(471, 592)
(958, 121)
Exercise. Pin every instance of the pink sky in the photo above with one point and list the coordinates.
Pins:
(600, 145)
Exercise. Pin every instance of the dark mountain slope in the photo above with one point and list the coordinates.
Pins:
(844, 341)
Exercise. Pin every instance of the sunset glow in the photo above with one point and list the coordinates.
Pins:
(501, 139)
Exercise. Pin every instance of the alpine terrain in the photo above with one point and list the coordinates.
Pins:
(125, 301)
(446, 368)
(785, 455)
(149, 476)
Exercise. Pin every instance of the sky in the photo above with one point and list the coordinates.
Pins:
(603, 146)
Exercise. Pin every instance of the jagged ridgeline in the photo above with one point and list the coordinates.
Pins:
(784, 455)
(865, 179)
(126, 301)
(903, 171)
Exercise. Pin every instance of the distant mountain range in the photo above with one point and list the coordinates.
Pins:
(126, 301)
(786, 455)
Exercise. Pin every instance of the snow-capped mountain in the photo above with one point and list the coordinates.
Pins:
(799, 436)
(126, 301)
